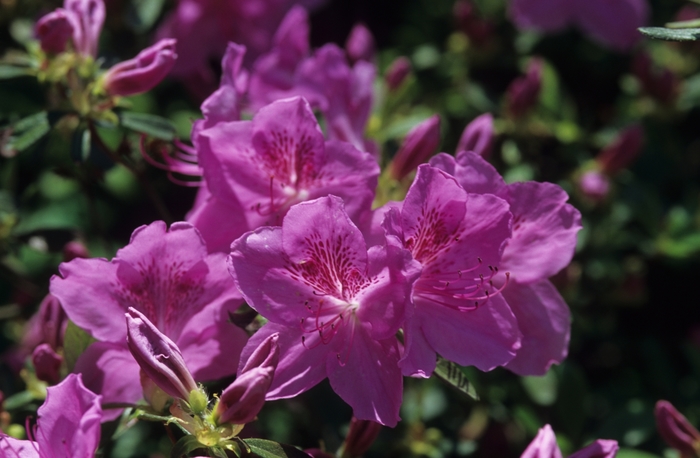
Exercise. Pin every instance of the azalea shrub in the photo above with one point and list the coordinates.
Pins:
(332, 228)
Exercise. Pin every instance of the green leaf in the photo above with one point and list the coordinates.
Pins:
(80, 145)
(185, 445)
(146, 13)
(75, 342)
(631, 453)
(454, 375)
(152, 125)
(662, 33)
(12, 71)
(18, 400)
(28, 131)
(269, 449)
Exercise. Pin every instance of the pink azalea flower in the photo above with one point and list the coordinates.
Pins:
(543, 242)
(458, 239)
(336, 306)
(258, 169)
(342, 93)
(544, 445)
(612, 23)
(168, 276)
(79, 20)
(68, 424)
(203, 27)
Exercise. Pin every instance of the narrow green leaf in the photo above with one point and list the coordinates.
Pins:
(453, 375)
(185, 445)
(75, 342)
(268, 449)
(18, 400)
(683, 24)
(152, 125)
(662, 33)
(12, 71)
(28, 131)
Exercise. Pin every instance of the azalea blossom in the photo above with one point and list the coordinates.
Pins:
(542, 243)
(169, 277)
(612, 23)
(256, 170)
(336, 306)
(544, 445)
(68, 424)
(458, 238)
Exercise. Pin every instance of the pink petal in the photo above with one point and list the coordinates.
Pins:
(15, 448)
(544, 231)
(419, 358)
(544, 445)
(301, 365)
(600, 448)
(485, 337)
(69, 420)
(545, 322)
(370, 379)
(110, 370)
(472, 172)
(220, 222)
(84, 288)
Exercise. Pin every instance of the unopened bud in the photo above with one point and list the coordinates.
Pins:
(361, 436)
(397, 72)
(478, 136)
(158, 356)
(420, 143)
(600, 448)
(47, 364)
(54, 30)
(143, 72)
(471, 23)
(659, 83)
(524, 92)
(243, 399)
(622, 151)
(676, 430)
(53, 321)
(74, 250)
(594, 185)
(360, 44)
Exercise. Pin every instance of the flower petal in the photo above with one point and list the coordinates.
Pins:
(544, 320)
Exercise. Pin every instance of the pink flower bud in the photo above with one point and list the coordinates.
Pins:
(52, 321)
(158, 356)
(594, 185)
(397, 72)
(676, 430)
(524, 91)
(143, 72)
(622, 151)
(74, 250)
(478, 136)
(90, 16)
(600, 448)
(361, 436)
(55, 29)
(47, 364)
(420, 143)
(243, 399)
(471, 24)
(360, 44)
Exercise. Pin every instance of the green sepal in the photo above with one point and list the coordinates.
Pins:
(454, 376)
(185, 445)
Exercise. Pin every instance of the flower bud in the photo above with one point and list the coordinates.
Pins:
(360, 44)
(397, 72)
(600, 448)
(523, 93)
(143, 72)
(594, 185)
(622, 151)
(471, 24)
(361, 436)
(676, 430)
(74, 250)
(478, 136)
(158, 356)
(47, 364)
(55, 29)
(90, 16)
(52, 321)
(243, 399)
(420, 143)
